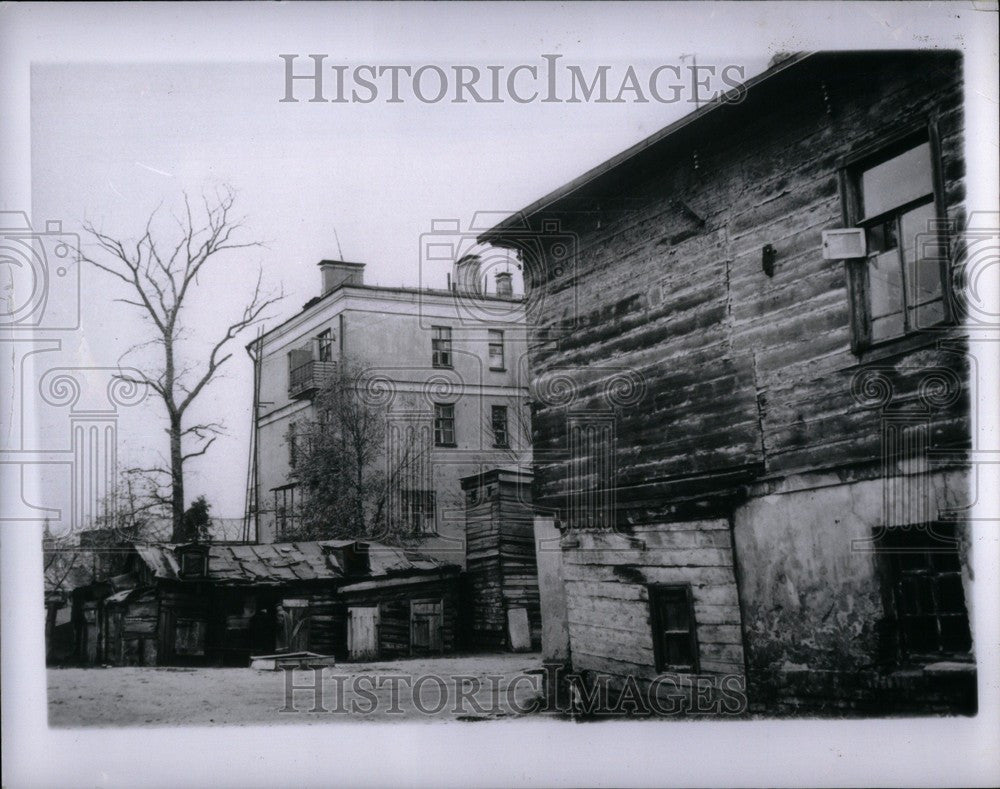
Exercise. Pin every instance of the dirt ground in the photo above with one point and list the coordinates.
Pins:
(469, 688)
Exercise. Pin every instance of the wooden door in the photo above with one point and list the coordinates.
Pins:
(297, 623)
(426, 626)
(113, 640)
(362, 632)
(91, 634)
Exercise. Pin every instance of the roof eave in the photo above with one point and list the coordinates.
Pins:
(517, 220)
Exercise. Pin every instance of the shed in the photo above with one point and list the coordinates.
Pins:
(192, 604)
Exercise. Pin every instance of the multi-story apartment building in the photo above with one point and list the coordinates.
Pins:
(449, 361)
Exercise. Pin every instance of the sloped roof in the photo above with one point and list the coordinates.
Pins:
(389, 560)
(279, 563)
(724, 101)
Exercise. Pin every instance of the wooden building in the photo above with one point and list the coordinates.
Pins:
(202, 604)
(402, 617)
(754, 431)
(501, 571)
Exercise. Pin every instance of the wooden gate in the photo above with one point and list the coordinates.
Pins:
(362, 632)
(426, 626)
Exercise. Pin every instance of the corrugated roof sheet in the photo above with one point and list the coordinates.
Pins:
(279, 563)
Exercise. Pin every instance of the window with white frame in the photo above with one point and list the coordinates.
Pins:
(496, 349)
(444, 424)
(441, 346)
(284, 510)
(498, 423)
(324, 345)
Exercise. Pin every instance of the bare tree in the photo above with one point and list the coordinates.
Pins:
(135, 510)
(351, 472)
(160, 269)
(60, 557)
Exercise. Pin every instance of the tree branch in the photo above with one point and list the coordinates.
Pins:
(202, 451)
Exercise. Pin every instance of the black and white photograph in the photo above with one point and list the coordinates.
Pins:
(620, 378)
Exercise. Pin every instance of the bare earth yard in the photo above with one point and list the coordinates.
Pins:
(432, 689)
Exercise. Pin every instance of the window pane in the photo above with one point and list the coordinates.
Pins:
(897, 181)
(441, 346)
(928, 593)
(885, 295)
(675, 614)
(882, 236)
(677, 650)
(923, 257)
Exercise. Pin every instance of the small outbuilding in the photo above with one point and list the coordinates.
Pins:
(197, 604)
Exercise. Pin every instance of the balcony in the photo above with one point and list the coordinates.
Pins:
(306, 379)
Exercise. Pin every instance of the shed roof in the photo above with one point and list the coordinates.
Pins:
(280, 563)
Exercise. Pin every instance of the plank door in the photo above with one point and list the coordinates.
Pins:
(91, 635)
(426, 626)
(362, 632)
(113, 643)
(297, 611)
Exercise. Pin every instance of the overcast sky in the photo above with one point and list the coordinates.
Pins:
(188, 100)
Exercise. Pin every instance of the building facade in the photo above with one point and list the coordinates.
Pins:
(753, 432)
(449, 366)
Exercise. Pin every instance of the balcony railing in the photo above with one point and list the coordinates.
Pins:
(309, 377)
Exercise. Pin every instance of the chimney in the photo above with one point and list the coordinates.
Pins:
(339, 272)
(505, 285)
(466, 277)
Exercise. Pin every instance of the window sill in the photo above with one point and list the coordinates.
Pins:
(498, 369)
(447, 446)
(501, 446)
(895, 346)
(677, 669)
